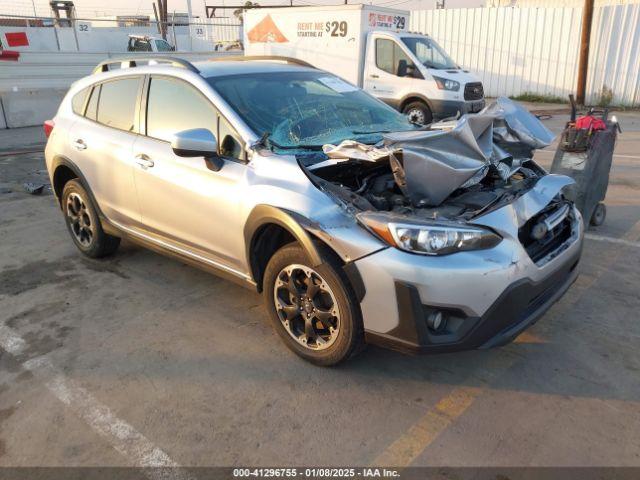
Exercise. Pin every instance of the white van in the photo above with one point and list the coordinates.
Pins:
(372, 48)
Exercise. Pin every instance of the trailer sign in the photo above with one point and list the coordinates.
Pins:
(381, 20)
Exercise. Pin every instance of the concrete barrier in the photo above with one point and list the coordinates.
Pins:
(26, 108)
(31, 88)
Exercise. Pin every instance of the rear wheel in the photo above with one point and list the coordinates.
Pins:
(83, 222)
(418, 112)
(313, 309)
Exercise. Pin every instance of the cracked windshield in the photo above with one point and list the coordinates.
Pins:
(307, 109)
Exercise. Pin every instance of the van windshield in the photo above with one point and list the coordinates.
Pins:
(307, 109)
(429, 53)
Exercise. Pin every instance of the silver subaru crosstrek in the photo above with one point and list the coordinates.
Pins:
(356, 225)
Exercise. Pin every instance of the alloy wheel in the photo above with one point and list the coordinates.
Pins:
(79, 219)
(416, 116)
(306, 307)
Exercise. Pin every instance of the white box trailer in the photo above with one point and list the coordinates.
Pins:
(371, 48)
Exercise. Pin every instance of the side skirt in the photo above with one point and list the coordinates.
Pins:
(112, 229)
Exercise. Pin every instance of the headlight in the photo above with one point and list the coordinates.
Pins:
(446, 84)
(438, 238)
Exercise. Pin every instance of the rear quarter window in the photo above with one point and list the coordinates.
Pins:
(78, 101)
(92, 106)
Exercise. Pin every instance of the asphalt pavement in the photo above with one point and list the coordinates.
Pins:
(139, 360)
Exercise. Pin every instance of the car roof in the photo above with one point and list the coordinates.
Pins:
(221, 68)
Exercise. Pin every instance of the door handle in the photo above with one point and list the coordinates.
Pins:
(373, 75)
(144, 161)
(79, 144)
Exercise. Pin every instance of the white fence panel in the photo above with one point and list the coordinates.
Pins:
(513, 50)
(614, 56)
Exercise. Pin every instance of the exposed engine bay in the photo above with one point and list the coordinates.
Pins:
(453, 170)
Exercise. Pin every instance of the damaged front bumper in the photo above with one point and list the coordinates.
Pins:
(486, 297)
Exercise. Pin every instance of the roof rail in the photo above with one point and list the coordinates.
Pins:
(243, 58)
(133, 62)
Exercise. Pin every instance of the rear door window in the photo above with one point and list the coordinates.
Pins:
(117, 105)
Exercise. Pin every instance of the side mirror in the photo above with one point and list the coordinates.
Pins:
(403, 68)
(198, 142)
(406, 69)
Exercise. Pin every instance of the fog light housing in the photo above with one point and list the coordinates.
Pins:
(437, 321)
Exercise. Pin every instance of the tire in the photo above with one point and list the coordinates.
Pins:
(334, 300)
(83, 222)
(598, 215)
(418, 112)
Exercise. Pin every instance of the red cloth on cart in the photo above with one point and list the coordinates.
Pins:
(589, 122)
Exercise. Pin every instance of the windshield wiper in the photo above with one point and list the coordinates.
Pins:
(356, 132)
(263, 141)
(266, 141)
(294, 147)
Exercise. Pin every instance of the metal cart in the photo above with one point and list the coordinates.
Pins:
(585, 155)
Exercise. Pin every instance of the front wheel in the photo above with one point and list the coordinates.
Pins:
(313, 309)
(418, 112)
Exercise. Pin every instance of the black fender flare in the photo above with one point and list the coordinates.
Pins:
(292, 222)
(59, 161)
(304, 231)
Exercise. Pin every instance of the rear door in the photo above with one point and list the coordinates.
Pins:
(102, 140)
(183, 202)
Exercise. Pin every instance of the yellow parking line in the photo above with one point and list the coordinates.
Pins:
(437, 419)
(406, 448)
(403, 451)
(528, 337)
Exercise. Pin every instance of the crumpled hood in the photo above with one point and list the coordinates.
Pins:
(515, 125)
(439, 161)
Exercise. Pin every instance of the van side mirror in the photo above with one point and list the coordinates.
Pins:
(198, 142)
(403, 68)
(406, 69)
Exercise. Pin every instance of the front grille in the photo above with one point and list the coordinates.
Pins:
(537, 249)
(473, 91)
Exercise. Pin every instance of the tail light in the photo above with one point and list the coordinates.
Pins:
(48, 127)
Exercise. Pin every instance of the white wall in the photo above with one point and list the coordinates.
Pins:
(518, 50)
(614, 56)
(513, 50)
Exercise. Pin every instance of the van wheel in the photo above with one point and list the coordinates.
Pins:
(313, 309)
(599, 214)
(83, 222)
(418, 112)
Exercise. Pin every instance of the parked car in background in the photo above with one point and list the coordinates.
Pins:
(301, 186)
(146, 43)
(370, 47)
